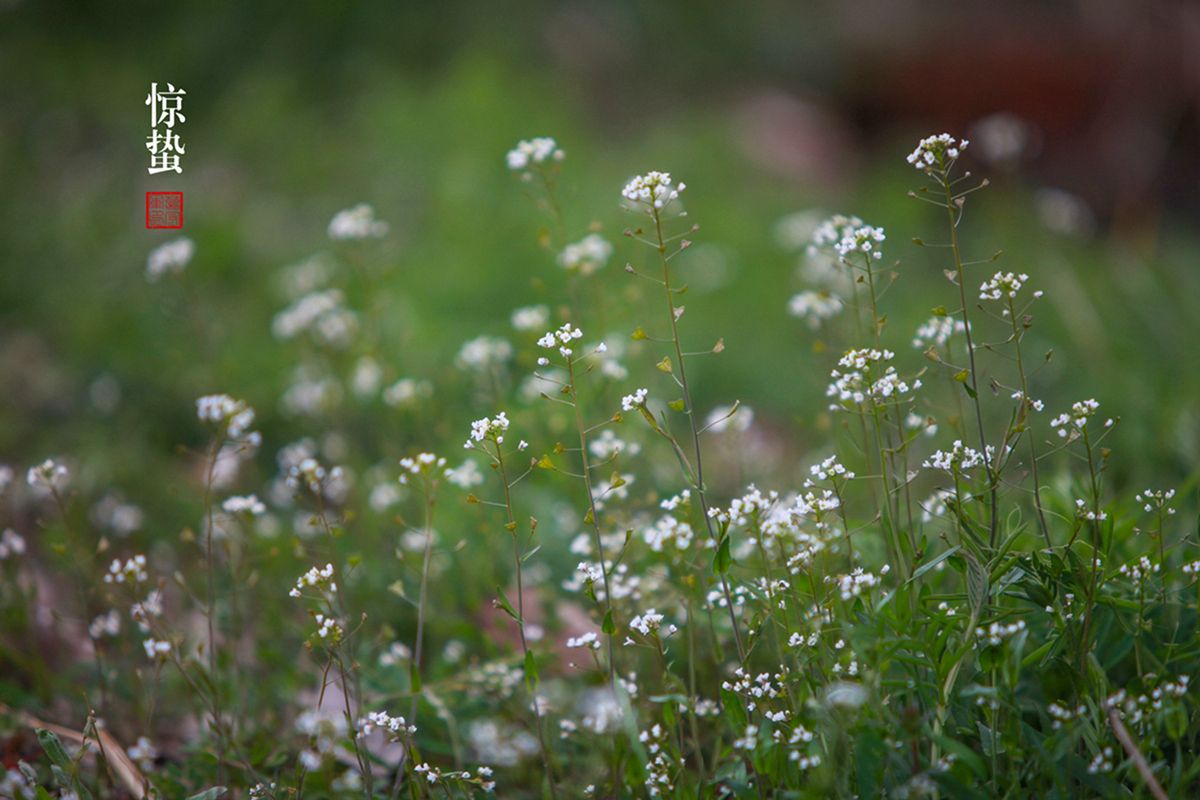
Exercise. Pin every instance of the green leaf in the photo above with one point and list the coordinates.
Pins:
(504, 604)
(414, 677)
(1032, 658)
(608, 626)
(869, 755)
(54, 750)
(964, 754)
(723, 559)
(928, 565)
(61, 777)
(735, 711)
(531, 672)
(977, 585)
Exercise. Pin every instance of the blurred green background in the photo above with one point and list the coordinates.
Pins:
(296, 110)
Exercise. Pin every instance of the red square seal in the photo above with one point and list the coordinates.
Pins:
(164, 209)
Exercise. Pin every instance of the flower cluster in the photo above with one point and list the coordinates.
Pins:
(107, 624)
(532, 152)
(356, 223)
(814, 307)
(833, 230)
(398, 727)
(937, 152)
(143, 611)
(133, 570)
(249, 505)
(1061, 715)
(1002, 284)
(321, 578)
(560, 338)
(48, 475)
(484, 353)
(1083, 511)
(156, 648)
(997, 632)
(860, 376)
(144, 753)
(650, 622)
(488, 429)
(1103, 761)
(668, 532)
(959, 458)
(587, 255)
(308, 474)
(1070, 423)
(660, 767)
(937, 331)
(587, 640)
(865, 239)
(631, 401)
(1156, 500)
(328, 628)
(757, 689)
(1139, 570)
(420, 464)
(235, 415)
(857, 581)
(406, 392)
(652, 192)
(322, 315)
(530, 318)
(608, 444)
(11, 544)
(172, 257)
(831, 468)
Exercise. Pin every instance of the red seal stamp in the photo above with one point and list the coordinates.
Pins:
(164, 209)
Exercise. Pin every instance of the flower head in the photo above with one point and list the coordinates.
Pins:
(421, 464)
(1002, 285)
(631, 401)
(652, 192)
(356, 223)
(235, 415)
(561, 339)
(587, 255)
(958, 459)
(1069, 423)
(48, 475)
(172, 257)
(815, 307)
(488, 428)
(866, 239)
(533, 152)
(937, 153)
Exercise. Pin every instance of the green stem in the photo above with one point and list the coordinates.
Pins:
(689, 411)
